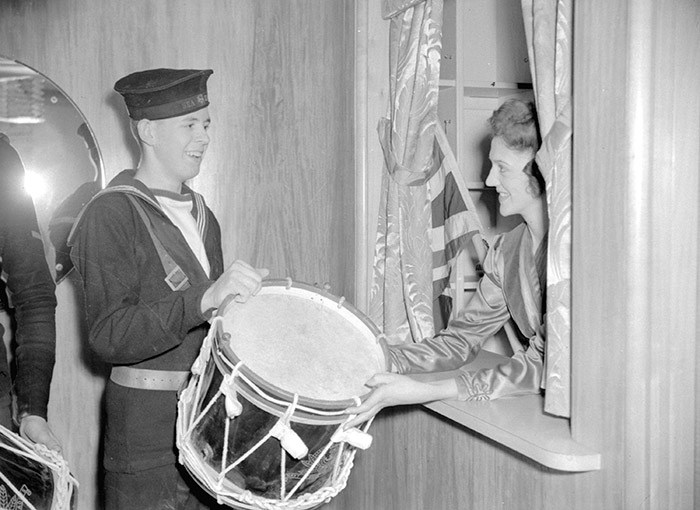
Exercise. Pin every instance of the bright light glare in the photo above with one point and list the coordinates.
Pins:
(35, 184)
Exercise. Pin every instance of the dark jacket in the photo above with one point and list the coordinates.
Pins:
(31, 290)
(136, 319)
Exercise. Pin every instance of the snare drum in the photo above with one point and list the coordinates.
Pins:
(260, 423)
(32, 476)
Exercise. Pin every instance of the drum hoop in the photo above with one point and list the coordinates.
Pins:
(277, 405)
(326, 405)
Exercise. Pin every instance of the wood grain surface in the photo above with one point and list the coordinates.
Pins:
(279, 173)
(280, 176)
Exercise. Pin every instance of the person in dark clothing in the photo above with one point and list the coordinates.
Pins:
(32, 295)
(148, 250)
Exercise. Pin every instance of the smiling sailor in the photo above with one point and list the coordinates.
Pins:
(148, 250)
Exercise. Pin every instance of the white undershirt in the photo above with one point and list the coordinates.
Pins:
(179, 212)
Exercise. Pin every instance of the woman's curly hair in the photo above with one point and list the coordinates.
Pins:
(515, 121)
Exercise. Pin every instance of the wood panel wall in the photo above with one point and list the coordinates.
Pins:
(281, 164)
(278, 174)
(636, 149)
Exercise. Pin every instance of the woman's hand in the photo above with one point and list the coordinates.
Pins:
(394, 389)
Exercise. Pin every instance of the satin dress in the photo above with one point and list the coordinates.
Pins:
(513, 286)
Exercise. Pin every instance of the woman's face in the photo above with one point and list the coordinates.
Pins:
(509, 179)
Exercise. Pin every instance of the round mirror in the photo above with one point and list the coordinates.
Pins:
(62, 162)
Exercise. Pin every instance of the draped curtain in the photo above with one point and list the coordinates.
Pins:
(548, 26)
(401, 295)
(402, 288)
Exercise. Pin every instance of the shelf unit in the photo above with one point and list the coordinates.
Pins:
(484, 63)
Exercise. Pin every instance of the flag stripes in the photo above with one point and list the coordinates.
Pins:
(453, 224)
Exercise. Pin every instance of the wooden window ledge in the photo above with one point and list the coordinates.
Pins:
(518, 423)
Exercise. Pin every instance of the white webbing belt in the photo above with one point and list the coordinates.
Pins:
(145, 379)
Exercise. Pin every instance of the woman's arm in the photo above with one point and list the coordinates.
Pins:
(461, 340)
(394, 389)
(519, 375)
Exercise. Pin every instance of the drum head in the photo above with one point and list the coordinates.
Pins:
(301, 340)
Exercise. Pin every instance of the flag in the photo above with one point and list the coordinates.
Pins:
(454, 225)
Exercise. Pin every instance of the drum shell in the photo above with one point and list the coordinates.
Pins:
(33, 479)
(33, 473)
(260, 472)
(237, 459)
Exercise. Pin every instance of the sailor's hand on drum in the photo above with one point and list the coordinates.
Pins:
(240, 280)
(35, 429)
(391, 390)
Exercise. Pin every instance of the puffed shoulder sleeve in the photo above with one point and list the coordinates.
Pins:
(484, 314)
